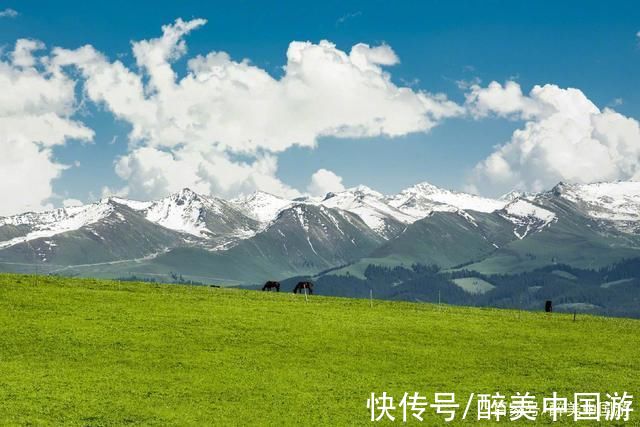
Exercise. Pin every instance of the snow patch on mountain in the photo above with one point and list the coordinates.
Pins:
(468, 217)
(301, 216)
(522, 208)
(527, 217)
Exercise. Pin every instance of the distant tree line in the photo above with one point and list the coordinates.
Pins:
(612, 290)
(175, 278)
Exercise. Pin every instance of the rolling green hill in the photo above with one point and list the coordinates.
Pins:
(91, 352)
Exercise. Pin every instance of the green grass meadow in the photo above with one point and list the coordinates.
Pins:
(94, 352)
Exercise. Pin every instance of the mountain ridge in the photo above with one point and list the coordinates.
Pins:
(272, 235)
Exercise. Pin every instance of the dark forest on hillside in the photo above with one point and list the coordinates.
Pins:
(613, 290)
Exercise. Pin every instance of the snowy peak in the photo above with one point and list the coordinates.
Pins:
(513, 195)
(424, 188)
(261, 206)
(50, 223)
(371, 207)
(364, 191)
(614, 201)
(211, 221)
(133, 204)
(422, 199)
(320, 223)
(201, 216)
(182, 211)
(78, 215)
(185, 195)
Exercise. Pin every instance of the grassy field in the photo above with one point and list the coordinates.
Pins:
(90, 352)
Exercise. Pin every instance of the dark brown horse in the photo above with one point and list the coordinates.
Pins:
(271, 285)
(303, 285)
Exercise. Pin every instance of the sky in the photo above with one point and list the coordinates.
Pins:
(140, 99)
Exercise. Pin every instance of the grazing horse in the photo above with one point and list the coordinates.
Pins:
(271, 285)
(303, 285)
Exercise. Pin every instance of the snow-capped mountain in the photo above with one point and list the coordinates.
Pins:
(104, 231)
(203, 218)
(36, 225)
(372, 208)
(389, 215)
(264, 233)
(183, 211)
(315, 234)
(189, 217)
(261, 206)
(200, 216)
(612, 201)
(421, 199)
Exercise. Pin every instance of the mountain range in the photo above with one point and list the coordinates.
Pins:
(251, 239)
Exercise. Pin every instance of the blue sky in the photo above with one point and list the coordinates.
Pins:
(589, 45)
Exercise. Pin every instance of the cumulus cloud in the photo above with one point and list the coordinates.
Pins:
(565, 137)
(152, 172)
(218, 128)
(324, 181)
(35, 116)
(8, 13)
(504, 101)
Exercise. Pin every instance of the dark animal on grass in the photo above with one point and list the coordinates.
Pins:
(301, 286)
(271, 285)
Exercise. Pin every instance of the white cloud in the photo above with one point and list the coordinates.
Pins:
(8, 13)
(35, 111)
(504, 101)
(565, 138)
(324, 181)
(22, 55)
(190, 131)
(152, 173)
(110, 192)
